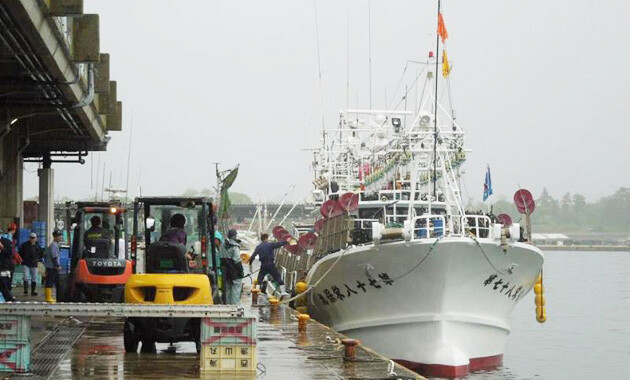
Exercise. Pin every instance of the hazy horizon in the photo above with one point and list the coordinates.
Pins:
(539, 88)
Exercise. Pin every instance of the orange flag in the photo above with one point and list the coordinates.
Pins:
(441, 30)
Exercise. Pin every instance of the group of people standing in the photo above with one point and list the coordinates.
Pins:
(29, 254)
(229, 251)
(232, 265)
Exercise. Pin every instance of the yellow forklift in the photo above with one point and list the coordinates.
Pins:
(170, 271)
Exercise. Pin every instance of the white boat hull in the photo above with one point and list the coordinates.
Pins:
(444, 317)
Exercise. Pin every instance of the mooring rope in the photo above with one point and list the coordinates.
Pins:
(311, 287)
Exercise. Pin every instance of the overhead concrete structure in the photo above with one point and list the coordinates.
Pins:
(56, 98)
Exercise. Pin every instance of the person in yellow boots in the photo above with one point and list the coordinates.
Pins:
(51, 259)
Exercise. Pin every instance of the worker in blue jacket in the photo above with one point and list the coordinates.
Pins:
(265, 252)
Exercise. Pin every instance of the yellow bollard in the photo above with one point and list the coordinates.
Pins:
(303, 321)
(255, 292)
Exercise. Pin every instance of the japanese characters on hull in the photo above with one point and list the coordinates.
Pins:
(341, 292)
(496, 283)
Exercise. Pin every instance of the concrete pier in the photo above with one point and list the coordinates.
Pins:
(283, 352)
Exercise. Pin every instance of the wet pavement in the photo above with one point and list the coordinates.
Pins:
(283, 353)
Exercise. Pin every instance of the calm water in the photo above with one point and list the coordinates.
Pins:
(587, 333)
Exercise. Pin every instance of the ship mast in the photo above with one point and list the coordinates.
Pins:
(435, 130)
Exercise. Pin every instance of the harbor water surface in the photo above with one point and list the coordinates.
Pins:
(587, 333)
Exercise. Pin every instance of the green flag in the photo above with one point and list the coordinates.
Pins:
(225, 198)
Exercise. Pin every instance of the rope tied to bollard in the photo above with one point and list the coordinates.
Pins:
(311, 287)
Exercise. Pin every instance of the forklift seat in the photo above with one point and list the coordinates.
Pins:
(166, 257)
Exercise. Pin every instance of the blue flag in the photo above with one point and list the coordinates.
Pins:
(487, 185)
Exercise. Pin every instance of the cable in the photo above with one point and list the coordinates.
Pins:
(421, 261)
(486, 256)
(318, 281)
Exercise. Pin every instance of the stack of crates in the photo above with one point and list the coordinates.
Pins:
(64, 258)
(228, 344)
(15, 343)
(22, 236)
(40, 229)
(18, 277)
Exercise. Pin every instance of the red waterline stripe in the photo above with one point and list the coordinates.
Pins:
(449, 371)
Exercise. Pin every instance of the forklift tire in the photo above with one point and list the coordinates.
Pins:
(131, 343)
(81, 296)
(216, 299)
(148, 347)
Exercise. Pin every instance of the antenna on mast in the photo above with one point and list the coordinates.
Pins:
(370, 47)
(435, 130)
(348, 62)
(319, 67)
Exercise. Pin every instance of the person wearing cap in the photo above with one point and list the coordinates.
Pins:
(231, 258)
(96, 233)
(51, 260)
(177, 234)
(30, 252)
(265, 252)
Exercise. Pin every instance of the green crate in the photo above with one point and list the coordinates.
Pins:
(228, 331)
(15, 328)
(15, 356)
(18, 277)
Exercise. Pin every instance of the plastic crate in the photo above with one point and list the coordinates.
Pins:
(39, 228)
(228, 358)
(228, 331)
(15, 356)
(23, 235)
(15, 328)
(64, 259)
(18, 277)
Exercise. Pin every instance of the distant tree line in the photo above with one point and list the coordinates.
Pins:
(235, 197)
(572, 213)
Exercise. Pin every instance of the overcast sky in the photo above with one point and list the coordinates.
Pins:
(539, 86)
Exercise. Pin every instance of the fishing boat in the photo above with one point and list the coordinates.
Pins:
(395, 260)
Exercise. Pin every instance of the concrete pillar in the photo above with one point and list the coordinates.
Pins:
(11, 165)
(47, 197)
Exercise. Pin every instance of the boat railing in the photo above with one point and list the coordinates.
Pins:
(394, 195)
(364, 224)
(428, 226)
(395, 218)
(283, 274)
(477, 225)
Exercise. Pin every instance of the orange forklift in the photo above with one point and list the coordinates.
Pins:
(99, 264)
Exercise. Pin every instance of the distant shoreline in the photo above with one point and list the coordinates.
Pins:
(607, 248)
